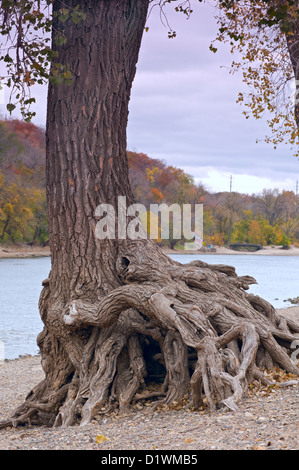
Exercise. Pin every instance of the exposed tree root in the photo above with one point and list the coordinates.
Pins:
(193, 327)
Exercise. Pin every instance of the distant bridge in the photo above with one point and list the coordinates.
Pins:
(245, 246)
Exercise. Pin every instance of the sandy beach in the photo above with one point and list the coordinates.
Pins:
(222, 250)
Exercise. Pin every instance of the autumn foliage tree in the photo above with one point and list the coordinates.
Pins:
(271, 217)
(117, 312)
(23, 212)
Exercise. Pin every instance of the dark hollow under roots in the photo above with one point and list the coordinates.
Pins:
(193, 328)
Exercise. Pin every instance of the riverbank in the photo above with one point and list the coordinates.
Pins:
(38, 251)
(291, 313)
(222, 250)
(266, 420)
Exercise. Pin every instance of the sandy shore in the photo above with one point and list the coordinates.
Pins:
(23, 251)
(291, 313)
(30, 252)
(221, 250)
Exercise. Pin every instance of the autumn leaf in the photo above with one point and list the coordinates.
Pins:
(188, 440)
(101, 438)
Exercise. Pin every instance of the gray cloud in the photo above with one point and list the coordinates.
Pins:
(183, 108)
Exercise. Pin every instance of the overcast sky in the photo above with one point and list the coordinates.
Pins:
(183, 110)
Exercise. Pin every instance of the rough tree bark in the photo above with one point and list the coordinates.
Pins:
(118, 313)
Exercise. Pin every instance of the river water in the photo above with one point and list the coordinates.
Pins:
(20, 287)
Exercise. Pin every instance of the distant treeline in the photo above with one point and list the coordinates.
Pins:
(269, 218)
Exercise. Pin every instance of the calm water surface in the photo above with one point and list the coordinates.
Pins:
(20, 287)
(277, 276)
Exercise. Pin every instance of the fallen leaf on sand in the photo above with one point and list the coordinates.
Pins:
(100, 438)
(188, 440)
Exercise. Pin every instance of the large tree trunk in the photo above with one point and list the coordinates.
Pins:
(117, 313)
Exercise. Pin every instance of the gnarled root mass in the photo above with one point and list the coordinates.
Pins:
(193, 328)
